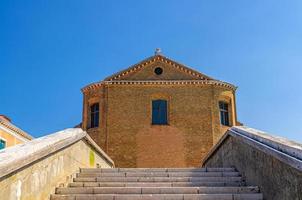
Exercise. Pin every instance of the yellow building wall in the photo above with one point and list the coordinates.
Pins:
(9, 138)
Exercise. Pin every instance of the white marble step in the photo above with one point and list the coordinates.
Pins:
(156, 184)
(157, 179)
(113, 170)
(157, 190)
(158, 174)
(255, 196)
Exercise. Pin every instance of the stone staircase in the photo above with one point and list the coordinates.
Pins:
(159, 184)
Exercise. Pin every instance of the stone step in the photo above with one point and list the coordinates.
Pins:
(113, 170)
(157, 184)
(157, 190)
(158, 174)
(255, 196)
(158, 179)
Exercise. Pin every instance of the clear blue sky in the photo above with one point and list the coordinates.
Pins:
(50, 49)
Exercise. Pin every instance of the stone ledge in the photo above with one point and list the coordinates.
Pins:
(17, 157)
(282, 149)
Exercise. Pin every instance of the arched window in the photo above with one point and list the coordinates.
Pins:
(224, 113)
(159, 112)
(94, 115)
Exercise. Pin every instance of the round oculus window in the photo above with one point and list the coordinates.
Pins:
(158, 70)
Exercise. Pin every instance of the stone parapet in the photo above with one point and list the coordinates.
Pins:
(32, 170)
(273, 163)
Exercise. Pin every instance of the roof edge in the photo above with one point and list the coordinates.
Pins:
(15, 129)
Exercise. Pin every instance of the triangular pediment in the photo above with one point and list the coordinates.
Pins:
(158, 67)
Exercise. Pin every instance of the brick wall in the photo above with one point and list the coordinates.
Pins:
(193, 117)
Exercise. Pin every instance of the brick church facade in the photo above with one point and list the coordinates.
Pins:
(158, 113)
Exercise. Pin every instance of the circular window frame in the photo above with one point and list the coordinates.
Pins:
(158, 71)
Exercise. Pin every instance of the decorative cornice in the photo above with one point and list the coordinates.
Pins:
(160, 82)
(15, 129)
(154, 59)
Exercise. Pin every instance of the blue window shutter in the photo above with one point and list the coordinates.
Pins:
(163, 112)
(155, 111)
(159, 112)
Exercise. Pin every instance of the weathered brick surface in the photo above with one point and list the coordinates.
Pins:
(127, 135)
(160, 146)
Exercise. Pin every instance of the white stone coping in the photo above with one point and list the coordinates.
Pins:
(283, 149)
(18, 156)
(284, 145)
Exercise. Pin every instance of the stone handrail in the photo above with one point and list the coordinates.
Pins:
(17, 157)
